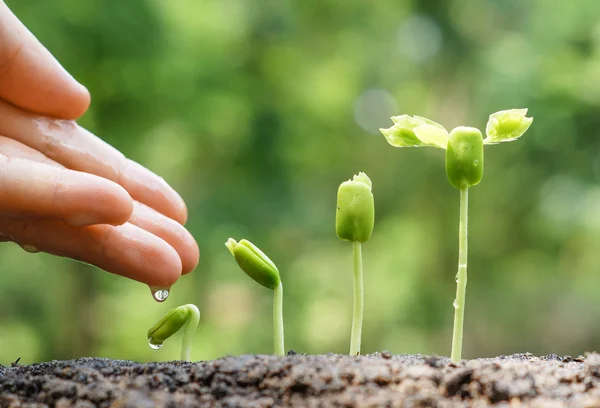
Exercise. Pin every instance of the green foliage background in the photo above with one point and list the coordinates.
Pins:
(256, 112)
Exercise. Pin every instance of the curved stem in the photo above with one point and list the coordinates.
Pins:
(278, 320)
(190, 331)
(357, 315)
(461, 276)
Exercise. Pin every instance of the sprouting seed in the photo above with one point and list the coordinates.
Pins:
(464, 168)
(171, 323)
(261, 269)
(354, 221)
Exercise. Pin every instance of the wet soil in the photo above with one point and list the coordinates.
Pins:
(377, 380)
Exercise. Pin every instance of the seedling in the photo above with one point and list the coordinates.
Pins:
(354, 220)
(171, 323)
(259, 267)
(464, 168)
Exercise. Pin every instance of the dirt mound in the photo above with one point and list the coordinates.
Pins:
(378, 380)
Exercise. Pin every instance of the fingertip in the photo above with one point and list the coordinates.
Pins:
(182, 212)
(123, 204)
(165, 265)
(101, 202)
(192, 257)
(78, 102)
(151, 260)
(152, 190)
(170, 231)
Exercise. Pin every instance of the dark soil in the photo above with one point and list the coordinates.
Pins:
(377, 380)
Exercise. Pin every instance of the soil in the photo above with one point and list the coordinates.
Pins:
(377, 380)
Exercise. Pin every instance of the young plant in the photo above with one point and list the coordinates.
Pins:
(354, 220)
(464, 168)
(170, 324)
(259, 267)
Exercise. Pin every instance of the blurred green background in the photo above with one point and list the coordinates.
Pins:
(256, 112)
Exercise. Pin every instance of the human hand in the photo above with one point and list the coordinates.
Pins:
(66, 192)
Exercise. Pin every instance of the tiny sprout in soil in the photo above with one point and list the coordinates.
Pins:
(171, 323)
(464, 168)
(259, 267)
(354, 220)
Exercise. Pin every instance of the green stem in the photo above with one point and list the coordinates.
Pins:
(278, 320)
(357, 315)
(461, 276)
(190, 331)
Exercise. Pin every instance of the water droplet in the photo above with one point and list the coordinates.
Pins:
(160, 295)
(475, 163)
(456, 278)
(154, 346)
(455, 304)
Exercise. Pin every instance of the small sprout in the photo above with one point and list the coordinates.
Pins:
(464, 168)
(464, 157)
(259, 267)
(355, 217)
(171, 323)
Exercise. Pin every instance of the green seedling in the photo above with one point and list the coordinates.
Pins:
(464, 168)
(259, 267)
(171, 323)
(354, 220)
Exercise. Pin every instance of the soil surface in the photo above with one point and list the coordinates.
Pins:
(377, 380)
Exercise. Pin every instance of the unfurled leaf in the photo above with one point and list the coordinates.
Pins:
(415, 131)
(506, 126)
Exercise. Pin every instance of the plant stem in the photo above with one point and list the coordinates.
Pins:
(190, 331)
(461, 276)
(278, 320)
(357, 315)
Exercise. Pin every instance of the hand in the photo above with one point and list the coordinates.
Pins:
(66, 192)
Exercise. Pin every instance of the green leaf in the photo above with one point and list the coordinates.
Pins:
(506, 126)
(415, 131)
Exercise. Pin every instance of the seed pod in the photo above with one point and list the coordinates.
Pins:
(168, 325)
(254, 263)
(464, 157)
(355, 214)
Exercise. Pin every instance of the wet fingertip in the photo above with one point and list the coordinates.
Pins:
(121, 206)
(114, 207)
(166, 265)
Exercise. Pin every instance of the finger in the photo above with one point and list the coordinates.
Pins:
(31, 77)
(76, 148)
(32, 189)
(124, 250)
(11, 148)
(170, 231)
(143, 216)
